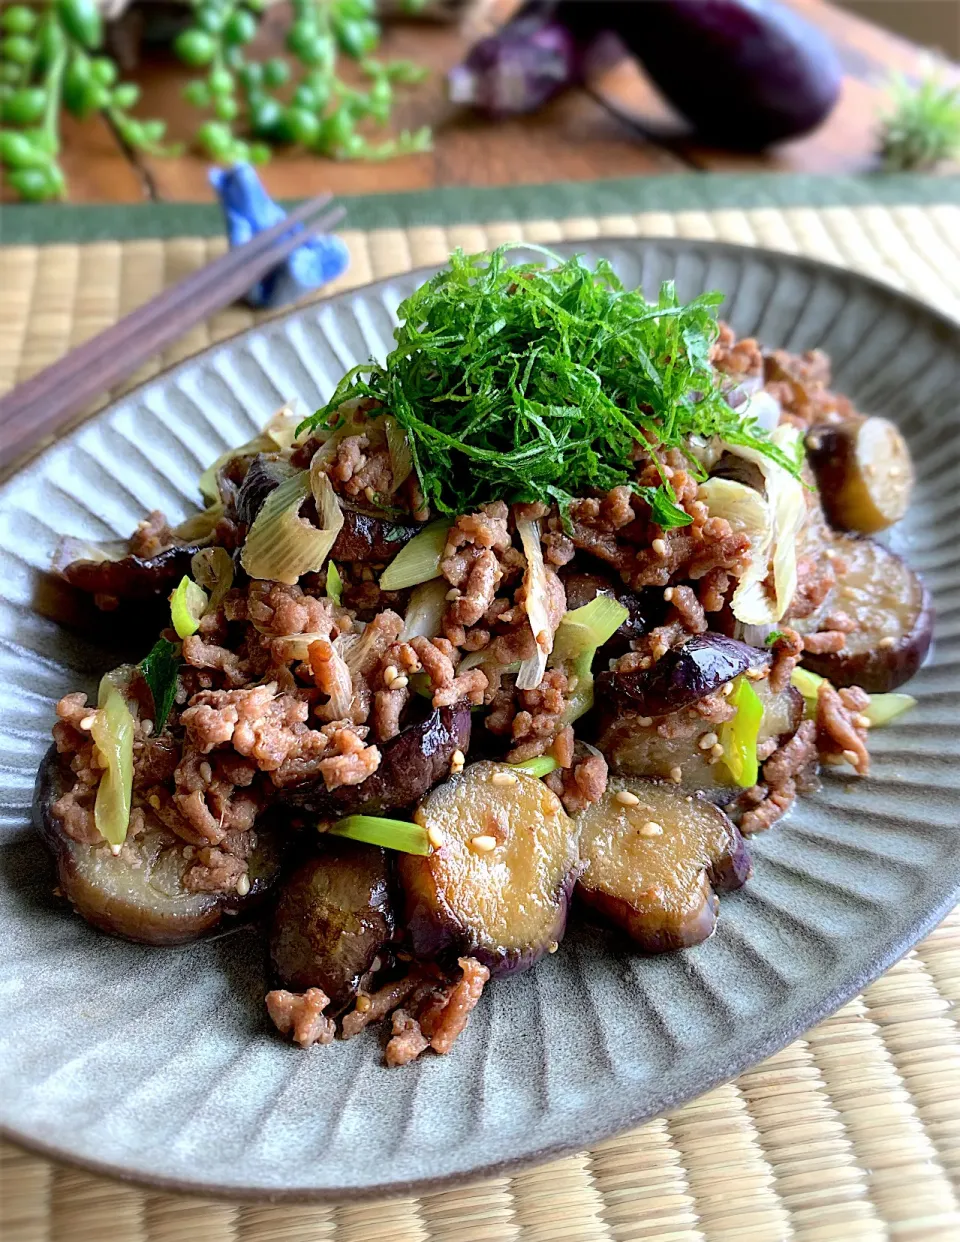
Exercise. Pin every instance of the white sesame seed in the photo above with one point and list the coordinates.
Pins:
(390, 673)
(188, 852)
(435, 837)
(668, 595)
(863, 721)
(504, 778)
(676, 775)
(668, 472)
(146, 727)
(400, 682)
(727, 689)
(370, 494)
(660, 547)
(708, 740)
(154, 801)
(206, 772)
(88, 721)
(452, 594)
(651, 829)
(717, 751)
(115, 850)
(887, 642)
(626, 798)
(552, 947)
(644, 721)
(459, 757)
(573, 683)
(243, 885)
(851, 756)
(363, 1004)
(483, 844)
(829, 553)
(754, 674)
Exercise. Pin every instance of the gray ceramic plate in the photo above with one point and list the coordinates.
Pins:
(158, 1064)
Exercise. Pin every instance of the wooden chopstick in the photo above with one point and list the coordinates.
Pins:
(35, 409)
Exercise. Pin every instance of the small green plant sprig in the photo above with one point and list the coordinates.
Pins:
(319, 111)
(923, 128)
(50, 60)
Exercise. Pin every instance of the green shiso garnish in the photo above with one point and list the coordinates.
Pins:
(533, 383)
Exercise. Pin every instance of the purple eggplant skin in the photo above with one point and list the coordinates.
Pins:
(745, 73)
(265, 473)
(132, 577)
(645, 609)
(332, 919)
(116, 896)
(410, 765)
(680, 677)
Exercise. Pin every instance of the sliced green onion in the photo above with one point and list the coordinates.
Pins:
(419, 560)
(200, 525)
(281, 545)
(533, 667)
(160, 667)
(738, 736)
(543, 765)
(428, 602)
(391, 834)
(809, 686)
(187, 605)
(213, 568)
(112, 731)
(587, 628)
(401, 459)
(883, 708)
(279, 433)
(334, 583)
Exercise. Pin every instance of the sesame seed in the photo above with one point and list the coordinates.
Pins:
(829, 553)
(243, 885)
(668, 472)
(206, 772)
(644, 721)
(660, 547)
(400, 682)
(573, 683)
(676, 775)
(552, 947)
(115, 850)
(390, 673)
(146, 727)
(851, 756)
(459, 757)
(504, 778)
(154, 801)
(188, 852)
(863, 721)
(717, 751)
(363, 1004)
(88, 721)
(708, 740)
(483, 844)
(754, 674)
(370, 494)
(452, 594)
(727, 689)
(626, 798)
(668, 595)
(895, 472)
(651, 829)
(887, 642)
(435, 837)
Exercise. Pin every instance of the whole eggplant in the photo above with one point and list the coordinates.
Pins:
(745, 73)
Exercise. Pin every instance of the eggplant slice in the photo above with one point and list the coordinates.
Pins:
(680, 677)
(654, 860)
(497, 884)
(139, 894)
(410, 764)
(864, 473)
(132, 577)
(332, 920)
(894, 615)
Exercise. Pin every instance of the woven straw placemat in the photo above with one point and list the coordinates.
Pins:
(853, 1132)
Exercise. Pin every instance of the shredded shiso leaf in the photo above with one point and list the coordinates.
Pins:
(535, 383)
(160, 667)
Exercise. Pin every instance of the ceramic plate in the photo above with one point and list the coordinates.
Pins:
(158, 1064)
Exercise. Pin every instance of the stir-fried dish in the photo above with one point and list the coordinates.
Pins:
(551, 612)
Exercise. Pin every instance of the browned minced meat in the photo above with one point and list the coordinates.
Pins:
(300, 1015)
(786, 652)
(689, 609)
(407, 1040)
(840, 732)
(276, 608)
(152, 535)
(581, 784)
(214, 871)
(800, 383)
(736, 357)
(825, 642)
(539, 718)
(791, 769)
(443, 1023)
(378, 1004)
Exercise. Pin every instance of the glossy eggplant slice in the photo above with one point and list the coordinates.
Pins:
(668, 747)
(132, 577)
(654, 860)
(265, 473)
(332, 920)
(497, 884)
(892, 609)
(367, 537)
(139, 894)
(680, 677)
(864, 473)
(410, 765)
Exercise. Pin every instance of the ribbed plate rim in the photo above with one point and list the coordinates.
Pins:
(694, 1080)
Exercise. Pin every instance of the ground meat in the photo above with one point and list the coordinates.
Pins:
(558, 548)
(540, 718)
(200, 654)
(215, 871)
(282, 610)
(388, 706)
(786, 652)
(713, 589)
(840, 731)
(689, 609)
(736, 358)
(825, 642)
(350, 457)
(443, 1025)
(815, 579)
(790, 769)
(258, 722)
(713, 709)
(448, 687)
(151, 536)
(300, 1015)
(74, 810)
(799, 382)
(486, 529)
(841, 621)
(407, 1041)
(581, 784)
(479, 586)
(380, 1004)
(351, 763)
(562, 747)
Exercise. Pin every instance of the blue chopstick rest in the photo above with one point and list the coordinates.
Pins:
(248, 209)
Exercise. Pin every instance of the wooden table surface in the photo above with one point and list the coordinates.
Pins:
(574, 138)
